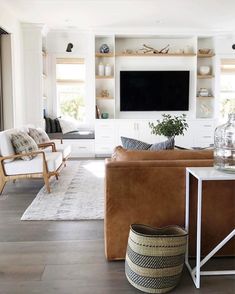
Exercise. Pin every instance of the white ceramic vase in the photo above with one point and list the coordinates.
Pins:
(204, 70)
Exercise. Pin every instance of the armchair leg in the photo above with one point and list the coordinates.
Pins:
(46, 180)
(2, 184)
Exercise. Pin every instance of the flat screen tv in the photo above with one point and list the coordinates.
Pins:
(154, 90)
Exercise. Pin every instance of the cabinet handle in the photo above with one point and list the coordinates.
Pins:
(81, 147)
(207, 136)
(207, 126)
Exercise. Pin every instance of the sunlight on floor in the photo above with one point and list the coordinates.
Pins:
(96, 168)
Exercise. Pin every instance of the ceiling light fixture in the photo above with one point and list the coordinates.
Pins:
(69, 47)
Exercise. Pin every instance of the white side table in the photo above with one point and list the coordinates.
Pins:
(204, 174)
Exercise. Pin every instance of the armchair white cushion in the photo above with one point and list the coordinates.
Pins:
(19, 166)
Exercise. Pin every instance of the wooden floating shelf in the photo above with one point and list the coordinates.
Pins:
(205, 96)
(104, 77)
(107, 98)
(200, 55)
(156, 55)
(205, 76)
(104, 54)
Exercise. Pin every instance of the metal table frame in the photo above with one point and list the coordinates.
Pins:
(204, 174)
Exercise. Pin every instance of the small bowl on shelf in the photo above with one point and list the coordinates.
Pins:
(204, 51)
(204, 70)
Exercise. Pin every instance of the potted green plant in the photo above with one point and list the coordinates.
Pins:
(170, 126)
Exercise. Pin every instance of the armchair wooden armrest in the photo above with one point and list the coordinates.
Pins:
(48, 144)
(2, 158)
(4, 177)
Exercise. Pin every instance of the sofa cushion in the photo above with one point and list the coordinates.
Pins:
(133, 144)
(64, 149)
(168, 144)
(17, 167)
(6, 146)
(23, 143)
(68, 125)
(39, 135)
(121, 154)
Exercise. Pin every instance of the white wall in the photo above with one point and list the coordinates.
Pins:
(83, 47)
(32, 41)
(11, 24)
(7, 86)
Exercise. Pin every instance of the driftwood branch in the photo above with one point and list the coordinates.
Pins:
(148, 49)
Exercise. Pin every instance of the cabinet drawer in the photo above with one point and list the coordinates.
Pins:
(81, 148)
(105, 135)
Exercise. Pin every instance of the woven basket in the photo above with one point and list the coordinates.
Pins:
(155, 257)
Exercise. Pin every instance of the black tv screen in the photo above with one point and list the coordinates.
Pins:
(154, 90)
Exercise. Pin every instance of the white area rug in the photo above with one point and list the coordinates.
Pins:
(77, 195)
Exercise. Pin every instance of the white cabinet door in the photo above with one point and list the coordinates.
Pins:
(127, 128)
(145, 133)
(105, 137)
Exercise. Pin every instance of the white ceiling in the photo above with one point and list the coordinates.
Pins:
(182, 15)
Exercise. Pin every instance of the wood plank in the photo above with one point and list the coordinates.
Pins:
(200, 55)
(104, 54)
(13, 272)
(155, 54)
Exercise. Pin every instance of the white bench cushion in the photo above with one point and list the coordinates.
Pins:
(19, 166)
(64, 149)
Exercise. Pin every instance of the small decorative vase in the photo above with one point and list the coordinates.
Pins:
(101, 69)
(224, 141)
(107, 70)
(104, 48)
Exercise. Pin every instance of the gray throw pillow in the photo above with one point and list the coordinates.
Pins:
(133, 144)
(168, 144)
(39, 135)
(23, 143)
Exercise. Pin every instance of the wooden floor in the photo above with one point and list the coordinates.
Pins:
(65, 257)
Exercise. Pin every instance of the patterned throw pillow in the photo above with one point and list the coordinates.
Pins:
(168, 144)
(23, 143)
(39, 135)
(133, 144)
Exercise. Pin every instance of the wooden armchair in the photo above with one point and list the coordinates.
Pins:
(12, 167)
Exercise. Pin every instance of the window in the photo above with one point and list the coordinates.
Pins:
(70, 82)
(227, 87)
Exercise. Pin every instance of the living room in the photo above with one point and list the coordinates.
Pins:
(87, 84)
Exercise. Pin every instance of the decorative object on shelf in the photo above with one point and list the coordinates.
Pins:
(104, 48)
(170, 126)
(205, 109)
(224, 142)
(204, 70)
(204, 51)
(98, 115)
(107, 70)
(188, 49)
(101, 69)
(104, 94)
(127, 51)
(204, 92)
(69, 47)
(104, 115)
(150, 50)
(155, 257)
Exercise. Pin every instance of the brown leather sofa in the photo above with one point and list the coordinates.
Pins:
(148, 187)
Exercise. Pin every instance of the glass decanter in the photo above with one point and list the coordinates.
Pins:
(224, 146)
